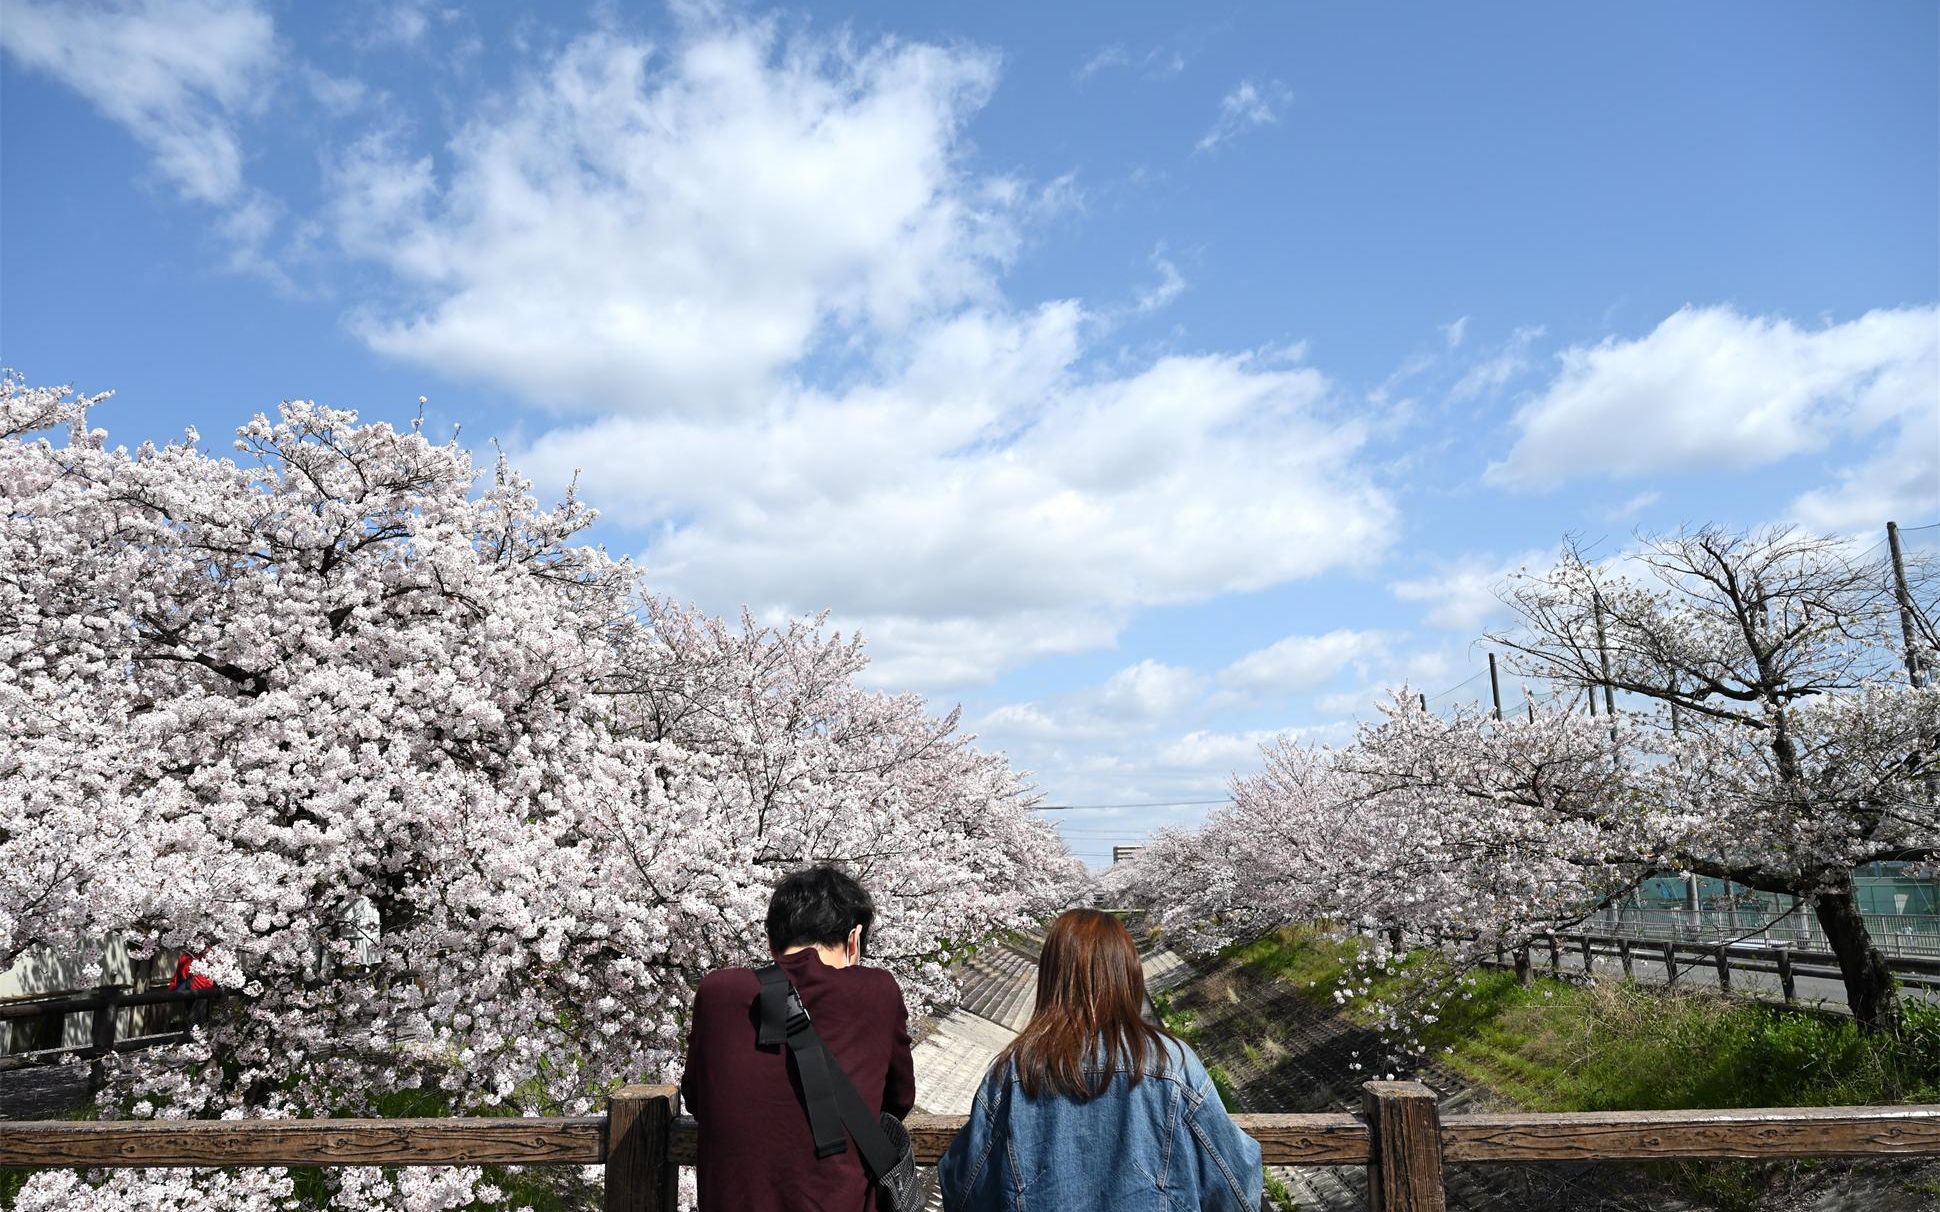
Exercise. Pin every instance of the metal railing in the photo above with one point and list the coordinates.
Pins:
(1911, 934)
(1575, 954)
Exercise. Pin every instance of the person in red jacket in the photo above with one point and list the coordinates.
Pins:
(187, 979)
(757, 1153)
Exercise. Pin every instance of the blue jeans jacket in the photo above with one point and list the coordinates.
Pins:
(1165, 1144)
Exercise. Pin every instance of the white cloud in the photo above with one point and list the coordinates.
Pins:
(1136, 699)
(1225, 752)
(1428, 671)
(394, 23)
(175, 73)
(1154, 64)
(1149, 690)
(908, 651)
(990, 481)
(1632, 506)
(763, 264)
(1108, 56)
(1247, 106)
(1711, 388)
(1461, 594)
(1300, 662)
(1901, 482)
(1171, 284)
(1454, 332)
(338, 95)
(1493, 373)
(654, 230)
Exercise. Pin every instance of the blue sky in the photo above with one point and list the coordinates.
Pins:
(1147, 379)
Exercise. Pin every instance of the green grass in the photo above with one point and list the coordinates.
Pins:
(1556, 1046)
(1279, 1197)
(1185, 1025)
(1182, 1023)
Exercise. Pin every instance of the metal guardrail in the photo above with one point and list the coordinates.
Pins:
(1895, 934)
(1575, 953)
(642, 1141)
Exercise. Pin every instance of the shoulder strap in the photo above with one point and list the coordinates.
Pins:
(780, 1006)
(784, 1019)
(831, 1097)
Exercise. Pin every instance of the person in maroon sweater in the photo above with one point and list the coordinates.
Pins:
(756, 1151)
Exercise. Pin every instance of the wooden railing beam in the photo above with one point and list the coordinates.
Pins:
(643, 1144)
(304, 1142)
(1783, 1132)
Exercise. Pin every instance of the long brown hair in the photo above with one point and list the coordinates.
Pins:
(1090, 991)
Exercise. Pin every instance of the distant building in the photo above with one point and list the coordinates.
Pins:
(1120, 853)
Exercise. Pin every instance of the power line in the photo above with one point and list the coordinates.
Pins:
(1458, 685)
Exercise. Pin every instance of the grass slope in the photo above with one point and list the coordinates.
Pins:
(1559, 1046)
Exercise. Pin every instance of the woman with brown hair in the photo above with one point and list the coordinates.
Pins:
(1092, 1106)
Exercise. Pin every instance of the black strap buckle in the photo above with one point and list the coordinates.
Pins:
(798, 1019)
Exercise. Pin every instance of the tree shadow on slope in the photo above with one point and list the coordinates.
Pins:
(1273, 1050)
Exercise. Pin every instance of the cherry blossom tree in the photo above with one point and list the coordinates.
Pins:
(1457, 829)
(256, 702)
(1767, 734)
(1782, 742)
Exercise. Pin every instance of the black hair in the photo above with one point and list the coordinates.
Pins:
(818, 906)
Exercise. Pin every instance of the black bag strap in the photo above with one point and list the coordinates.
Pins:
(833, 1103)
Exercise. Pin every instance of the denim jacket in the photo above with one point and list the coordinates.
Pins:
(1165, 1144)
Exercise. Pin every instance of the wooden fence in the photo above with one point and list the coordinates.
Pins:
(104, 1006)
(642, 1142)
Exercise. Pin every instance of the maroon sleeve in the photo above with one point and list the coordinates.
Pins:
(693, 1079)
(899, 1088)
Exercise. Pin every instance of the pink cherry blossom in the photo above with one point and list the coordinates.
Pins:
(457, 807)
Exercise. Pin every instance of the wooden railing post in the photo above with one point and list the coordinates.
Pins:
(1670, 963)
(1589, 964)
(103, 1035)
(1555, 959)
(1623, 953)
(640, 1174)
(1724, 970)
(102, 1043)
(1785, 973)
(1404, 1169)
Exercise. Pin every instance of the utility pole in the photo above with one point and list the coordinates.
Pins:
(1603, 659)
(1905, 600)
(1495, 687)
(1913, 672)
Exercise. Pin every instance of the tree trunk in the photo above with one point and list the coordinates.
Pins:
(1869, 982)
